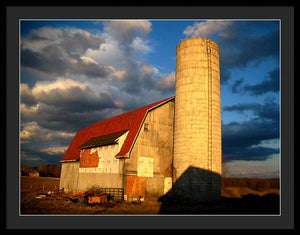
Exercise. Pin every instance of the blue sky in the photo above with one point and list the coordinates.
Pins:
(75, 73)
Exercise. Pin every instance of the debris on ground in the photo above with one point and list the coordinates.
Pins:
(134, 199)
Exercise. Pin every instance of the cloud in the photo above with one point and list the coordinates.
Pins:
(87, 60)
(72, 79)
(125, 31)
(33, 156)
(66, 104)
(207, 28)
(51, 60)
(72, 40)
(60, 51)
(168, 82)
(108, 53)
(267, 111)
(70, 95)
(32, 132)
(236, 87)
(241, 44)
(242, 141)
(252, 49)
(271, 83)
(26, 95)
(147, 71)
(140, 45)
(54, 150)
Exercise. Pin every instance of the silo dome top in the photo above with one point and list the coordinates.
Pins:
(195, 41)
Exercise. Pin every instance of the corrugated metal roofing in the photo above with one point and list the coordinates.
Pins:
(130, 121)
(103, 140)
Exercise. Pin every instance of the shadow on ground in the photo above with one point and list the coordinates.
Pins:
(248, 204)
(204, 198)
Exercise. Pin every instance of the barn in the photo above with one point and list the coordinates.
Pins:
(131, 152)
(34, 173)
(171, 147)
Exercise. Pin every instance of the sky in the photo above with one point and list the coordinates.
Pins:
(78, 72)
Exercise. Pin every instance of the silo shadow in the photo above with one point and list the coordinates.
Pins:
(188, 198)
(195, 186)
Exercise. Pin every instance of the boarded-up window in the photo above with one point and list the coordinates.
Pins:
(89, 158)
(136, 186)
(145, 167)
(99, 160)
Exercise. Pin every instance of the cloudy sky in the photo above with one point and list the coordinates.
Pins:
(76, 73)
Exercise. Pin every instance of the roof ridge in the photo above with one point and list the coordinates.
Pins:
(132, 121)
(126, 113)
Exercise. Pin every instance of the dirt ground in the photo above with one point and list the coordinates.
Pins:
(62, 204)
(234, 200)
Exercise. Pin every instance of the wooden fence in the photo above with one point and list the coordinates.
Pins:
(40, 187)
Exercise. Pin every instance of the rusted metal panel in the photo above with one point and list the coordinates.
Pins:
(89, 158)
(136, 186)
(97, 199)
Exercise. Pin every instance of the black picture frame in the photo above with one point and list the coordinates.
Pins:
(10, 164)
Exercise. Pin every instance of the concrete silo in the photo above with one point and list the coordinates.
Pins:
(197, 131)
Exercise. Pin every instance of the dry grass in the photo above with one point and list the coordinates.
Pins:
(238, 187)
(262, 201)
(238, 192)
(27, 181)
(253, 183)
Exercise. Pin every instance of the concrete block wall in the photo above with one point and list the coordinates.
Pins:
(197, 129)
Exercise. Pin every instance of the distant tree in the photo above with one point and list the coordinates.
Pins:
(25, 169)
(56, 172)
(49, 170)
(43, 170)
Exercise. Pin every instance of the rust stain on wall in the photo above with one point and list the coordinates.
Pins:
(89, 158)
(136, 186)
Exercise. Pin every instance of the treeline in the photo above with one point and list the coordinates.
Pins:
(44, 170)
(253, 183)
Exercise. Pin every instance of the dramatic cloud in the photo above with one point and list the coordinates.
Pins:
(140, 45)
(71, 95)
(63, 100)
(242, 141)
(26, 95)
(241, 44)
(236, 87)
(73, 41)
(61, 51)
(51, 60)
(126, 31)
(32, 132)
(54, 150)
(72, 78)
(207, 28)
(33, 155)
(271, 83)
(168, 82)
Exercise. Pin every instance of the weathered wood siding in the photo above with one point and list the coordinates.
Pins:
(155, 140)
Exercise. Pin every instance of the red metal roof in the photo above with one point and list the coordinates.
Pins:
(130, 121)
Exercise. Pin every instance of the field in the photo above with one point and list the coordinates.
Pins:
(239, 196)
(28, 183)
